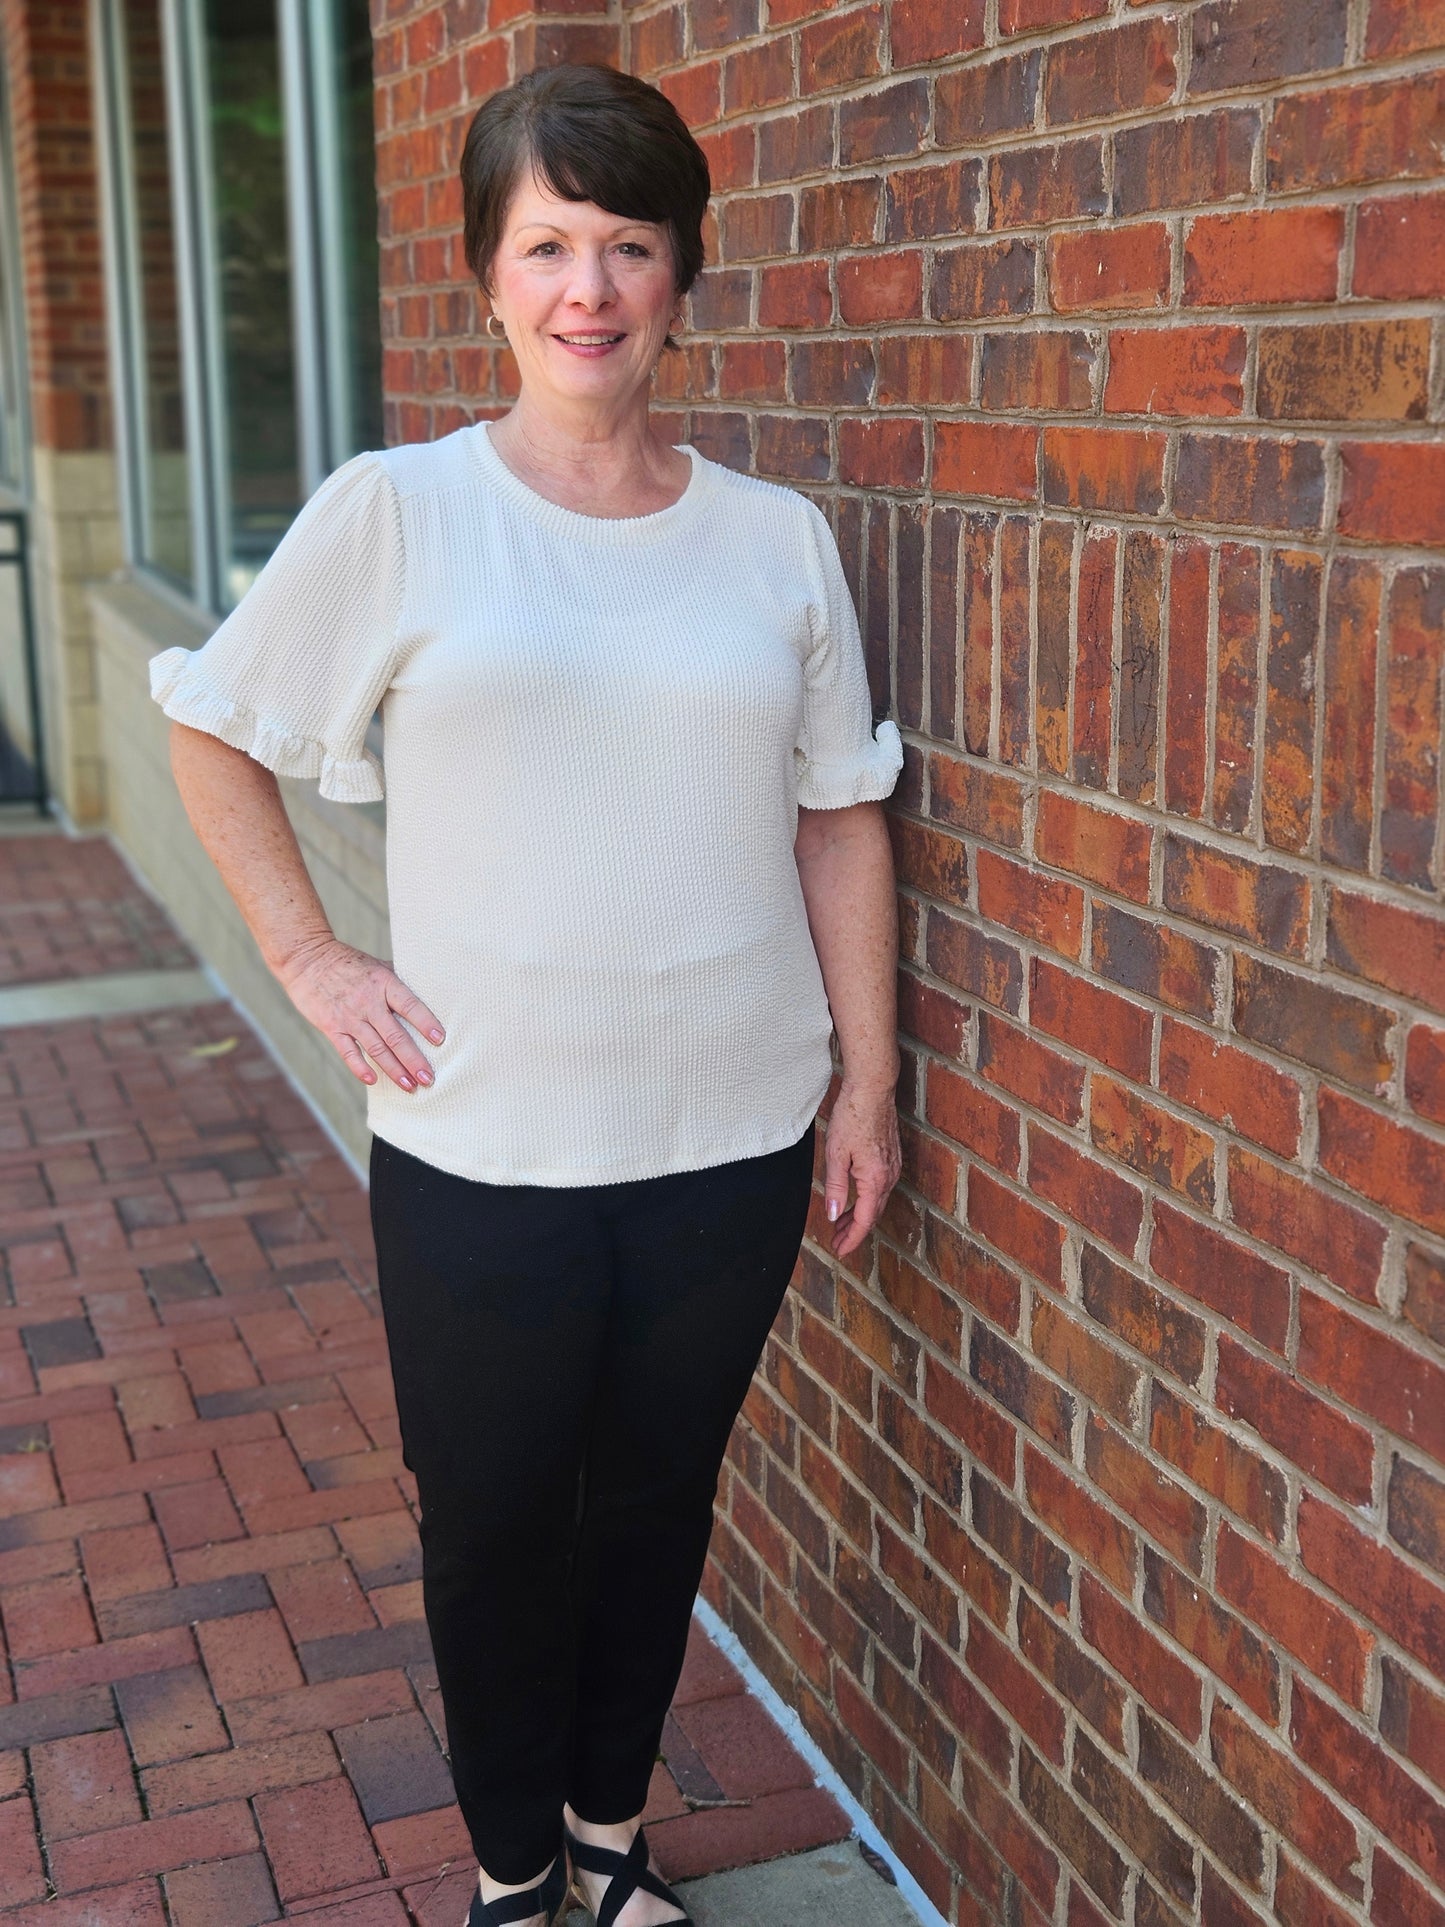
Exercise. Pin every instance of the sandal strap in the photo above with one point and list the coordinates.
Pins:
(544, 1899)
(629, 1873)
(511, 1907)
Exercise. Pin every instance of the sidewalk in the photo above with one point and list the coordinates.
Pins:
(217, 1704)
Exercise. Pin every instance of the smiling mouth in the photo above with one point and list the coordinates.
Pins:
(591, 341)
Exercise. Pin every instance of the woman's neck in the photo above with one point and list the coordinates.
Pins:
(591, 462)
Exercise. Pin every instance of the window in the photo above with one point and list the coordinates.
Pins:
(243, 255)
(160, 481)
(12, 378)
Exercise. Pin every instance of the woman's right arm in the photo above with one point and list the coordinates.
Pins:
(353, 999)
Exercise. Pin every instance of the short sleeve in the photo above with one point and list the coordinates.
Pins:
(294, 673)
(839, 758)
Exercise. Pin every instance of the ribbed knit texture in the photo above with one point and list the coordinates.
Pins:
(597, 733)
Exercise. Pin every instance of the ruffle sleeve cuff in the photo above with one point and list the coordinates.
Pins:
(864, 778)
(186, 697)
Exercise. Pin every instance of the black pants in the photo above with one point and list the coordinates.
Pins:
(568, 1366)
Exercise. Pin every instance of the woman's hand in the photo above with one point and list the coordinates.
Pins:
(356, 1001)
(862, 1143)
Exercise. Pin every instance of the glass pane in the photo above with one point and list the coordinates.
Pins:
(347, 162)
(11, 463)
(252, 265)
(164, 508)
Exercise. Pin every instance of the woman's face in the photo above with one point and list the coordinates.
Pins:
(585, 296)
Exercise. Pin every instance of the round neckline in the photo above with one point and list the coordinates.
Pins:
(604, 528)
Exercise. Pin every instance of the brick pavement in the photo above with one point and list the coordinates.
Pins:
(217, 1704)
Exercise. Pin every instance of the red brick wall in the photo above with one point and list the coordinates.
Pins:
(48, 64)
(1095, 1519)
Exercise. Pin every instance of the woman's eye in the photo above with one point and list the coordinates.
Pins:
(542, 247)
(636, 247)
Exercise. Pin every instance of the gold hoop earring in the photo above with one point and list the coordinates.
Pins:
(499, 333)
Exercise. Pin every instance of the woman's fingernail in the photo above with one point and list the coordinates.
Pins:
(423, 1077)
(435, 1036)
(833, 1208)
(407, 1085)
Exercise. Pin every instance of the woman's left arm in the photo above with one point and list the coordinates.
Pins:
(845, 865)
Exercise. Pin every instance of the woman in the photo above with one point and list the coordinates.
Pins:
(635, 852)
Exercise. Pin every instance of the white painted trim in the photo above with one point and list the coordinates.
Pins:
(762, 1688)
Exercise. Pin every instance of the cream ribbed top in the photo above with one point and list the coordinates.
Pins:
(597, 733)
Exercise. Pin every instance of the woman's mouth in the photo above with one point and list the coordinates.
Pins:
(594, 342)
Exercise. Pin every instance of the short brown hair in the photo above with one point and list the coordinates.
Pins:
(594, 134)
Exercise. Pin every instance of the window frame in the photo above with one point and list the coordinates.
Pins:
(16, 482)
(323, 412)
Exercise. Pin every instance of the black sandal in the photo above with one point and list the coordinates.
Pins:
(630, 1872)
(550, 1897)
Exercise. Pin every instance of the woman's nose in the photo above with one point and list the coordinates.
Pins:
(590, 284)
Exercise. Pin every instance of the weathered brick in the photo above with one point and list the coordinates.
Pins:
(1115, 70)
(1250, 482)
(925, 201)
(1258, 902)
(1093, 667)
(1369, 1369)
(1371, 1577)
(986, 100)
(880, 125)
(1424, 1304)
(1165, 1149)
(986, 458)
(1319, 1634)
(838, 214)
(1142, 1316)
(1373, 131)
(1090, 1019)
(1347, 770)
(1401, 1169)
(1288, 1801)
(1236, 684)
(1057, 1813)
(1092, 1194)
(983, 279)
(1168, 1513)
(1300, 1426)
(1201, 1625)
(1241, 1479)
(1289, 698)
(1068, 1509)
(1115, 1795)
(1412, 1719)
(1357, 1765)
(978, 799)
(1400, 247)
(1247, 43)
(1052, 370)
(920, 31)
(1344, 371)
(1115, 470)
(1198, 1069)
(1249, 1291)
(1040, 186)
(1342, 1035)
(1263, 256)
(973, 1118)
(1414, 720)
(1154, 960)
(1394, 945)
(1181, 163)
(1176, 371)
(1015, 1227)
